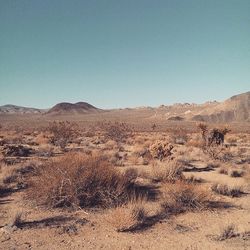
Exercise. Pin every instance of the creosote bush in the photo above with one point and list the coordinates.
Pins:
(62, 132)
(77, 180)
(118, 131)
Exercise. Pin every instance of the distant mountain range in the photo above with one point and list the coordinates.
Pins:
(236, 108)
(13, 109)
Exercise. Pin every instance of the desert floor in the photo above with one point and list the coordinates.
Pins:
(25, 224)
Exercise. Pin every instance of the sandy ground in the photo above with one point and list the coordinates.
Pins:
(90, 229)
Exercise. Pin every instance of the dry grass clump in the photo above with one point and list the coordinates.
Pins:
(128, 217)
(181, 196)
(194, 141)
(42, 138)
(117, 158)
(168, 172)
(193, 179)
(161, 150)
(225, 190)
(141, 155)
(140, 140)
(230, 231)
(232, 139)
(77, 180)
(19, 175)
(110, 145)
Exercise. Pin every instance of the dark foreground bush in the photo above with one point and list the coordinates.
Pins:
(77, 180)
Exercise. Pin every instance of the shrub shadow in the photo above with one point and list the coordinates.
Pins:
(47, 222)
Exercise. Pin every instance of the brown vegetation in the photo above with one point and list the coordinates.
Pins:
(168, 172)
(213, 140)
(62, 132)
(77, 180)
(113, 179)
(128, 217)
(118, 132)
(161, 150)
(224, 189)
(228, 232)
(182, 196)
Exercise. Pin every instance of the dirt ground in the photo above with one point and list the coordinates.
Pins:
(90, 228)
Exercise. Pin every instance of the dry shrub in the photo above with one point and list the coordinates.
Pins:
(135, 159)
(131, 174)
(225, 190)
(194, 179)
(161, 150)
(213, 141)
(223, 170)
(10, 177)
(3, 190)
(110, 145)
(128, 217)
(117, 159)
(118, 132)
(236, 173)
(194, 143)
(179, 136)
(140, 139)
(91, 132)
(42, 138)
(17, 151)
(45, 151)
(62, 132)
(181, 196)
(215, 151)
(168, 172)
(19, 175)
(230, 231)
(79, 180)
(141, 155)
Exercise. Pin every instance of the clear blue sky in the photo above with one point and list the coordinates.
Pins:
(123, 53)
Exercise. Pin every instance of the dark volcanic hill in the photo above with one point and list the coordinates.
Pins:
(72, 108)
